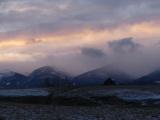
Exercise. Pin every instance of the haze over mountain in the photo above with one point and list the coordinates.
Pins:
(150, 79)
(99, 76)
(42, 77)
(79, 36)
(80, 59)
(47, 77)
(10, 79)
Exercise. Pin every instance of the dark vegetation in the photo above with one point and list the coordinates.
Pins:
(74, 101)
(109, 81)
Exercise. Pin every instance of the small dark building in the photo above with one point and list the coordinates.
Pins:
(109, 81)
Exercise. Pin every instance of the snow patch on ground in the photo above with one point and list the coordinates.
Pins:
(157, 82)
(128, 95)
(23, 93)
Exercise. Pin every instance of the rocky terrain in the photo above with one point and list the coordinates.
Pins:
(88, 103)
(11, 111)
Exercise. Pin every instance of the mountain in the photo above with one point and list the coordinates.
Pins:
(12, 80)
(150, 79)
(98, 76)
(47, 77)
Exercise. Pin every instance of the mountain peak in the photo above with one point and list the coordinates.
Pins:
(6, 73)
(152, 78)
(47, 76)
(98, 76)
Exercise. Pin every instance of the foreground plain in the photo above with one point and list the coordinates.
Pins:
(52, 111)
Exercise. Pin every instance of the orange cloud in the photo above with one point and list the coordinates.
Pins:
(85, 37)
(12, 43)
(11, 57)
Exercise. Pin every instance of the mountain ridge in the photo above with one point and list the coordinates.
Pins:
(99, 75)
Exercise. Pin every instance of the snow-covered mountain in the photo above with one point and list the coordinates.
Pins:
(47, 77)
(150, 79)
(98, 76)
(10, 79)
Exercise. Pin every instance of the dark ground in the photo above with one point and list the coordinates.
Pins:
(21, 111)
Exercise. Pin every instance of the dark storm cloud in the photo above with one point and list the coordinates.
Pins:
(92, 52)
(124, 45)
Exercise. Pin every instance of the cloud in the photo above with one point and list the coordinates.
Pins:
(35, 29)
(92, 52)
(125, 45)
(59, 14)
(34, 40)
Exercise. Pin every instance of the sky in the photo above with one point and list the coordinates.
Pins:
(80, 35)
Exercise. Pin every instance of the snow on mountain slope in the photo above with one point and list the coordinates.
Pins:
(10, 79)
(23, 93)
(6, 74)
